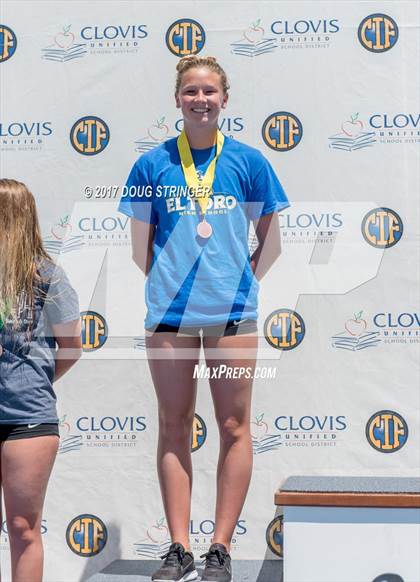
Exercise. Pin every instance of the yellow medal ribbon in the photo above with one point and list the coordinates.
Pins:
(201, 189)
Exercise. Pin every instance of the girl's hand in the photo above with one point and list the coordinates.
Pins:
(142, 237)
(68, 336)
(267, 229)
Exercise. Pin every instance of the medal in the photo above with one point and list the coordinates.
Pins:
(202, 188)
(204, 229)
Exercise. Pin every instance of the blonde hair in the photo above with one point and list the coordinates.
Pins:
(21, 248)
(193, 61)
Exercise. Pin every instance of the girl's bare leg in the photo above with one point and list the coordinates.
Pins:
(26, 465)
(176, 391)
(232, 404)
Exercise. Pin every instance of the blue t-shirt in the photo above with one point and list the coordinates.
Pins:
(27, 363)
(195, 281)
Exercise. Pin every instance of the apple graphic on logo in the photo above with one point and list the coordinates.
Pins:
(159, 532)
(255, 32)
(64, 39)
(159, 130)
(259, 429)
(62, 229)
(357, 325)
(353, 127)
(62, 423)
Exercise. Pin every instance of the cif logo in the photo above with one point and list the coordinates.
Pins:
(198, 434)
(89, 135)
(386, 431)
(274, 536)
(382, 228)
(282, 131)
(388, 578)
(185, 37)
(86, 535)
(94, 331)
(8, 43)
(284, 329)
(378, 33)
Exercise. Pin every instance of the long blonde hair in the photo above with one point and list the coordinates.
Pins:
(21, 248)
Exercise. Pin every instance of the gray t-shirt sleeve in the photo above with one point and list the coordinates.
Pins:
(61, 303)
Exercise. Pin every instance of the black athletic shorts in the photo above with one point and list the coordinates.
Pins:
(232, 327)
(12, 432)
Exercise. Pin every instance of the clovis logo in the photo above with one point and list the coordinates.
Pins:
(70, 441)
(254, 42)
(64, 47)
(61, 239)
(356, 336)
(156, 134)
(156, 539)
(320, 430)
(68, 44)
(352, 136)
(359, 132)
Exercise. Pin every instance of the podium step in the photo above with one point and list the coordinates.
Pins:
(141, 570)
(350, 491)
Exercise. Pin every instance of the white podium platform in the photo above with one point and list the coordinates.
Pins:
(351, 529)
(141, 570)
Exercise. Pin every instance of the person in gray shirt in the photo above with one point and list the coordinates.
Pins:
(40, 340)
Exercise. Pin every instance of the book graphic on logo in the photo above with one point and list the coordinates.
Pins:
(140, 342)
(62, 241)
(261, 440)
(156, 542)
(156, 134)
(64, 48)
(356, 337)
(68, 442)
(253, 43)
(352, 136)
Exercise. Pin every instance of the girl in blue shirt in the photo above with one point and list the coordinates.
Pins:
(201, 290)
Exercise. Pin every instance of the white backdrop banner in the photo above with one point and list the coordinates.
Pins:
(328, 92)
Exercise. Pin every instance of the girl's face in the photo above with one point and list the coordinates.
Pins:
(201, 97)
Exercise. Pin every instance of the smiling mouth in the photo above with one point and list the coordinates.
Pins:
(201, 110)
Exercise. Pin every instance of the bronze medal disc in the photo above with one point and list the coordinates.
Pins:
(204, 229)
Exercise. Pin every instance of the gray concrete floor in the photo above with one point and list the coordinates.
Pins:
(141, 570)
